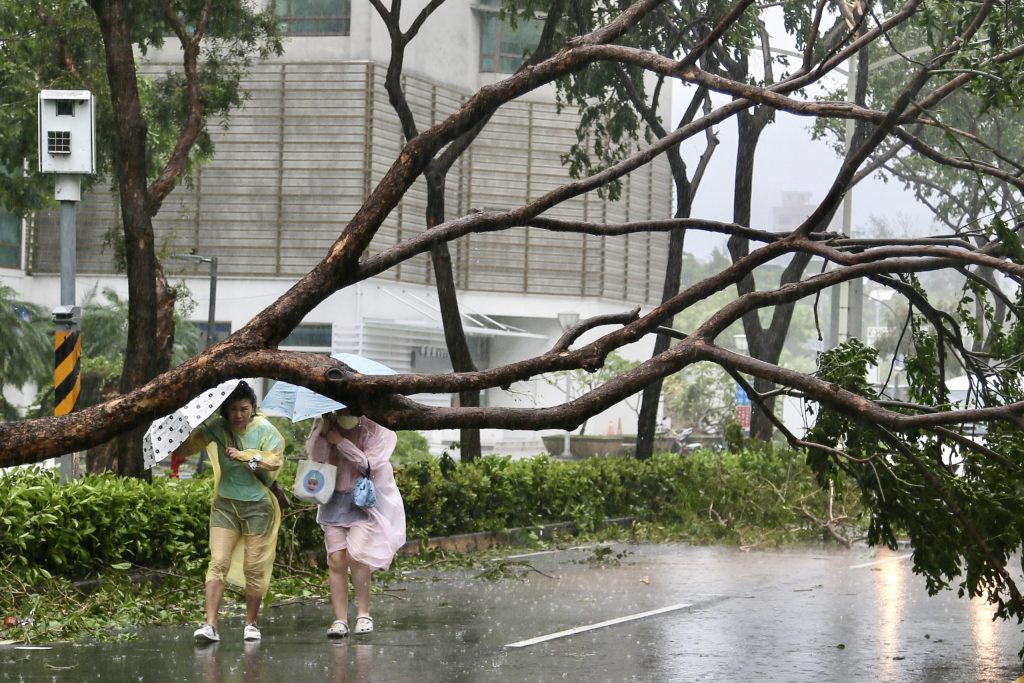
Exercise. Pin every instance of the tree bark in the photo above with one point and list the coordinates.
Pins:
(760, 344)
(451, 317)
(647, 421)
(151, 299)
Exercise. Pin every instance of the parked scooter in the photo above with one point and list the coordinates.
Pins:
(681, 442)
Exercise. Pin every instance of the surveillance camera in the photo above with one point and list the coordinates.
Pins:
(66, 315)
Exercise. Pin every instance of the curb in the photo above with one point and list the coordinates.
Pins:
(486, 540)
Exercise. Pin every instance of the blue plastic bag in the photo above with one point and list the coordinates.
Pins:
(364, 495)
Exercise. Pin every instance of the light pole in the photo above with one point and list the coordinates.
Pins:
(847, 314)
(881, 298)
(211, 316)
(211, 319)
(566, 321)
(847, 306)
(847, 310)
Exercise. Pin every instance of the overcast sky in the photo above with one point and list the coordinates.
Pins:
(788, 160)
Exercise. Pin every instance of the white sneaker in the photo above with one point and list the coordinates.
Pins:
(251, 632)
(206, 634)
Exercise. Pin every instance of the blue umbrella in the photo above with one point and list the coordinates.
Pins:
(299, 403)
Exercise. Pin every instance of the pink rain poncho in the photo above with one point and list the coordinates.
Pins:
(375, 540)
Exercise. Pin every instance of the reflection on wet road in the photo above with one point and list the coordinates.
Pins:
(661, 613)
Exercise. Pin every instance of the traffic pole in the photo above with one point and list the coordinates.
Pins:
(67, 148)
(67, 339)
(67, 380)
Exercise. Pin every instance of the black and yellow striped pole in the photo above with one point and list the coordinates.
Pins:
(67, 374)
(67, 381)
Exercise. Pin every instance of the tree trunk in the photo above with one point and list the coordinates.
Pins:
(451, 317)
(647, 421)
(749, 128)
(151, 302)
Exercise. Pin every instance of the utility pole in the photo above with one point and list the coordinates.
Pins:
(211, 318)
(566, 321)
(845, 319)
(67, 148)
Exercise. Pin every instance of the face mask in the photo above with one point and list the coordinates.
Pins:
(347, 421)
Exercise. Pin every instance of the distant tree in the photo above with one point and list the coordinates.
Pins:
(26, 348)
(704, 399)
(978, 126)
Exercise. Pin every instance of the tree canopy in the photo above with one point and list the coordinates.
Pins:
(151, 131)
(921, 470)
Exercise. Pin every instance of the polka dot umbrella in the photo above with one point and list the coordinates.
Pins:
(167, 433)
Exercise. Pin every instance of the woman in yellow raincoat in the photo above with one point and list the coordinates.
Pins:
(246, 454)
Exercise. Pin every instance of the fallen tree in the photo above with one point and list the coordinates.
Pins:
(920, 470)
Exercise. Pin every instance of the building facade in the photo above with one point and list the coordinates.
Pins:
(315, 136)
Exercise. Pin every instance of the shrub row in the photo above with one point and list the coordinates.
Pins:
(97, 521)
(104, 520)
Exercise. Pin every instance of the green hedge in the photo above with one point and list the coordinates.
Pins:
(47, 527)
(99, 521)
(751, 489)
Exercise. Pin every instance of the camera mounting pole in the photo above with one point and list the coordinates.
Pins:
(67, 148)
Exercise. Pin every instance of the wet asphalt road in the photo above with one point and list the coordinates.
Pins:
(671, 613)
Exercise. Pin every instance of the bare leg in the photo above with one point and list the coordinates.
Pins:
(361, 582)
(337, 578)
(214, 594)
(252, 606)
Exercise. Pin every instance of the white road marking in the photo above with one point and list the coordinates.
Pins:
(551, 552)
(591, 627)
(524, 555)
(887, 560)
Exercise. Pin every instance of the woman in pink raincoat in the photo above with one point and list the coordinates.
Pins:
(358, 540)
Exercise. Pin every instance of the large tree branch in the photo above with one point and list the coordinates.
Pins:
(974, 166)
(418, 151)
(193, 126)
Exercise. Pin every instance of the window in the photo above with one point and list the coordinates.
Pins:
(314, 17)
(220, 332)
(65, 107)
(310, 336)
(503, 48)
(10, 240)
(434, 358)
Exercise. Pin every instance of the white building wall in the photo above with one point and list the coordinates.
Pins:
(611, 274)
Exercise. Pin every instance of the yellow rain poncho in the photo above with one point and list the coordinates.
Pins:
(261, 439)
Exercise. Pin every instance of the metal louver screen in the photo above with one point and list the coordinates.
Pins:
(58, 141)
